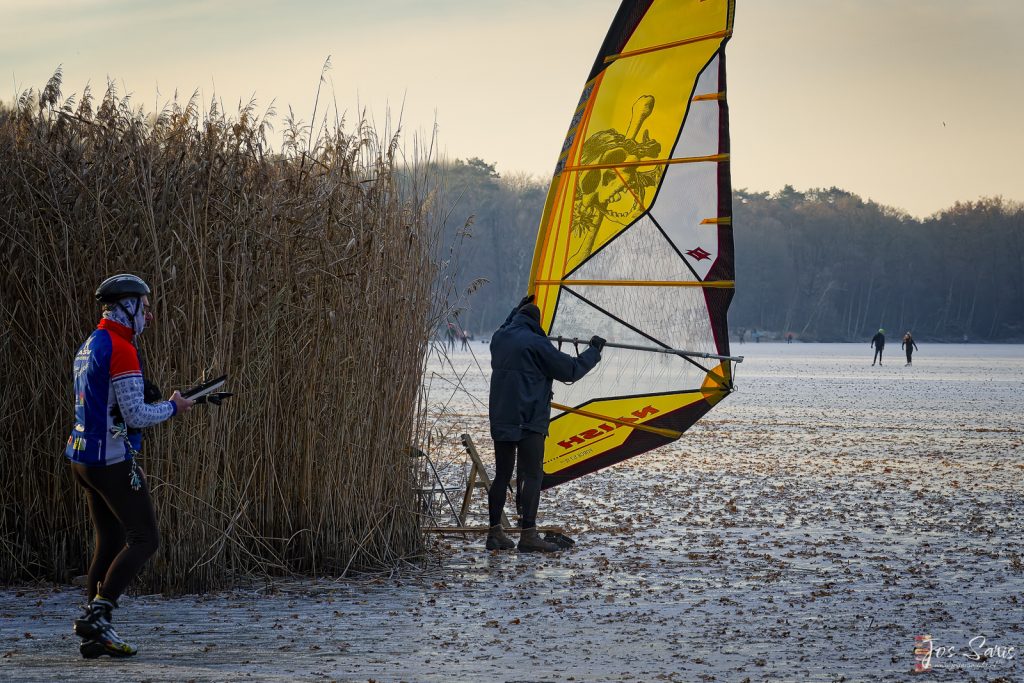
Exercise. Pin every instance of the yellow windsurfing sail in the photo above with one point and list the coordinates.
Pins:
(635, 243)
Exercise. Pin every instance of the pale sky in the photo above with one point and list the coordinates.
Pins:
(912, 103)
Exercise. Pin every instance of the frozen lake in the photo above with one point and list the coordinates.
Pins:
(809, 528)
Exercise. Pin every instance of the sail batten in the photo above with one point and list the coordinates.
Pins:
(635, 241)
(716, 158)
(619, 421)
(708, 97)
(654, 48)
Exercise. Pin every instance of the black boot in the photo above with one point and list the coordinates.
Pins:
(98, 634)
(531, 542)
(497, 539)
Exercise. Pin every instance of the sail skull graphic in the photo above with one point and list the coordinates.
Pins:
(612, 192)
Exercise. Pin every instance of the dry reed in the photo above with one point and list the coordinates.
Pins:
(306, 274)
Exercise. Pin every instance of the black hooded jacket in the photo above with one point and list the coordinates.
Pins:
(523, 364)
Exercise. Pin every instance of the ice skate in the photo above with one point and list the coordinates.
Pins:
(109, 644)
(96, 613)
(98, 634)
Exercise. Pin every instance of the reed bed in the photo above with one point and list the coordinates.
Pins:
(307, 274)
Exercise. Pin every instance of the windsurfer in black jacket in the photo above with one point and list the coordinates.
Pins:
(523, 365)
(878, 341)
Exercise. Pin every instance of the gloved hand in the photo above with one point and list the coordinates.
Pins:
(151, 392)
(598, 342)
(526, 300)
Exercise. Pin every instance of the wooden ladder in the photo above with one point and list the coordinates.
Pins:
(477, 470)
(478, 479)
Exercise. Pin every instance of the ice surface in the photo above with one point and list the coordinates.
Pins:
(808, 528)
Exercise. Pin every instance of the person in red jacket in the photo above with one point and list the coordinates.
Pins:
(909, 346)
(110, 412)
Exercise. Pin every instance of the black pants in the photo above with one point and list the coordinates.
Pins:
(125, 524)
(878, 355)
(910, 352)
(530, 452)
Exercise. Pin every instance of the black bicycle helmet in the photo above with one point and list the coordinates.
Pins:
(118, 287)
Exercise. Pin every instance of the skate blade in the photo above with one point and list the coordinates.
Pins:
(92, 649)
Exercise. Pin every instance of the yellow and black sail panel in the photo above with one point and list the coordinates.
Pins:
(635, 242)
(603, 433)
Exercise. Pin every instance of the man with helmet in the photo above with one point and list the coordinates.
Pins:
(110, 412)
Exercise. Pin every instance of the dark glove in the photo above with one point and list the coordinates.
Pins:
(598, 342)
(526, 300)
(151, 392)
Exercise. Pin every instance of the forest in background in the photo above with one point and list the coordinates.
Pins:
(824, 265)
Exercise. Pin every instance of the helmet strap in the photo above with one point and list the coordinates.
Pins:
(136, 322)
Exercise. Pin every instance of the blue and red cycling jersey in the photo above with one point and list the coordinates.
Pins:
(107, 368)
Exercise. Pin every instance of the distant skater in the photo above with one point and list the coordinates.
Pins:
(878, 341)
(909, 346)
(449, 337)
(523, 364)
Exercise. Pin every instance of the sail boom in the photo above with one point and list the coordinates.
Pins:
(652, 349)
(710, 284)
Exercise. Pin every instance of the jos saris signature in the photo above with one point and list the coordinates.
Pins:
(978, 651)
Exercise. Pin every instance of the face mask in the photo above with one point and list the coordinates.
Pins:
(130, 313)
(138, 315)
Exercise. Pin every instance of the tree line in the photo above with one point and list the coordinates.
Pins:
(822, 265)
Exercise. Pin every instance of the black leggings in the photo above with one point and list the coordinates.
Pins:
(530, 452)
(125, 523)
